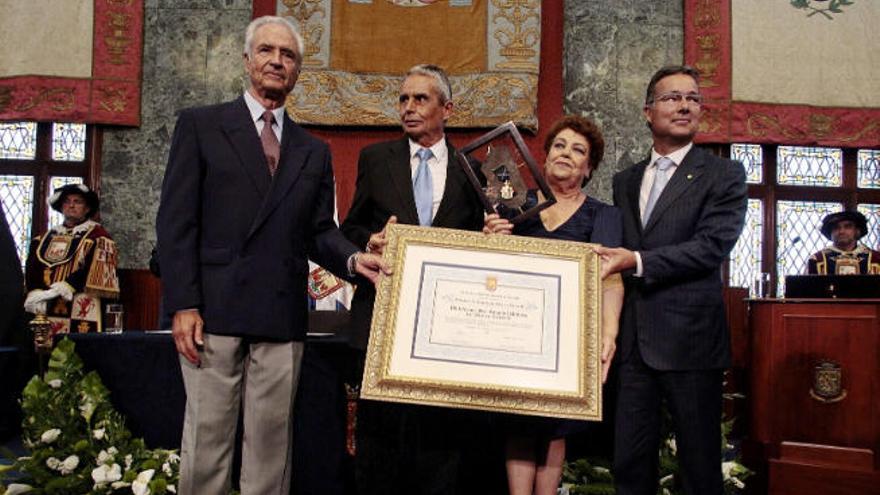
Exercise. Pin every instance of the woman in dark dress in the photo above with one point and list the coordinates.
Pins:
(535, 449)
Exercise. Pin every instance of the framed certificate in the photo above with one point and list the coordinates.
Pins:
(490, 322)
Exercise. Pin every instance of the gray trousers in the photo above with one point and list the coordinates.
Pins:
(261, 376)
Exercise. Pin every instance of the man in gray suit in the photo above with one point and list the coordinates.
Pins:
(248, 196)
(683, 211)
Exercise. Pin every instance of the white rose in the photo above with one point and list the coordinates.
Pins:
(141, 484)
(171, 488)
(128, 460)
(16, 488)
(106, 474)
(166, 468)
(53, 463)
(56, 383)
(104, 457)
(112, 451)
(69, 464)
(50, 436)
(98, 434)
(726, 469)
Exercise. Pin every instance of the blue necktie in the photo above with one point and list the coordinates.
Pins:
(423, 187)
(661, 177)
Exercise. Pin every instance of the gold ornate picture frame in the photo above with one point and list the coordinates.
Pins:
(498, 323)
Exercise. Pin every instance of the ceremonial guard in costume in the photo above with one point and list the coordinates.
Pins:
(846, 256)
(72, 268)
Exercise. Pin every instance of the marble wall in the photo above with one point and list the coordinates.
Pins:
(192, 57)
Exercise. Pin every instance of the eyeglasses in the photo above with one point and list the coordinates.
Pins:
(676, 98)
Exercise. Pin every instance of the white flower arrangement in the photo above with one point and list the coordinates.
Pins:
(87, 453)
(50, 436)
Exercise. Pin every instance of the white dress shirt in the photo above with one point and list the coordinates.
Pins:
(677, 157)
(437, 164)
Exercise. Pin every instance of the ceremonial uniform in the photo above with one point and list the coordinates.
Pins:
(80, 263)
(833, 261)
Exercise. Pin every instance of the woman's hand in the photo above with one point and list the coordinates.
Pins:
(494, 224)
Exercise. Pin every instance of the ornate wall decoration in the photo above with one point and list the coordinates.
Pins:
(782, 107)
(356, 67)
(110, 96)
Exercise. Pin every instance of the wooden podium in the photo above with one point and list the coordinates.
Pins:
(815, 394)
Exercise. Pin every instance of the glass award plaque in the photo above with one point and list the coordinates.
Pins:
(501, 169)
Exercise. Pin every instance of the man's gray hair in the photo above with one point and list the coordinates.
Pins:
(271, 19)
(439, 76)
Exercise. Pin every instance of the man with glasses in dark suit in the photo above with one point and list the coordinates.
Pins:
(683, 210)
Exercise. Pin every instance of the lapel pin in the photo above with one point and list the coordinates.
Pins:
(690, 176)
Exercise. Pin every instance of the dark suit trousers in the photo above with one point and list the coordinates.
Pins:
(694, 401)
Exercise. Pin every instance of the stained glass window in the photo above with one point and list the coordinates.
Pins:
(56, 218)
(798, 235)
(872, 213)
(17, 194)
(68, 142)
(869, 169)
(18, 140)
(799, 166)
(745, 259)
(752, 159)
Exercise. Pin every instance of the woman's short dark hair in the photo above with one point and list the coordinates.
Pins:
(586, 128)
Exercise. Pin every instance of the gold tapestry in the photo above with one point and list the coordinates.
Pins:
(357, 50)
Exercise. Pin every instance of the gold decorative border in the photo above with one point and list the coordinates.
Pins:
(379, 383)
(507, 91)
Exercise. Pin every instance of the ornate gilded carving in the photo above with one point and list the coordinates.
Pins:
(711, 121)
(119, 37)
(60, 100)
(517, 40)
(308, 14)
(112, 100)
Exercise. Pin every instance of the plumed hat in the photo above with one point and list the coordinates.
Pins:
(57, 198)
(833, 219)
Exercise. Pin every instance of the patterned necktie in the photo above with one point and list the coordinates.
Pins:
(270, 142)
(661, 177)
(423, 187)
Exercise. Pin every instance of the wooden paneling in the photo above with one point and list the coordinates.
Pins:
(811, 446)
(141, 294)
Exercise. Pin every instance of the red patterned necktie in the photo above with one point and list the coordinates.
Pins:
(270, 142)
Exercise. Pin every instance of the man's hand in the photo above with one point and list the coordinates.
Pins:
(615, 260)
(609, 346)
(494, 224)
(377, 241)
(371, 265)
(186, 328)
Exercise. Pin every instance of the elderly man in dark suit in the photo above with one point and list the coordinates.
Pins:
(248, 196)
(414, 180)
(683, 210)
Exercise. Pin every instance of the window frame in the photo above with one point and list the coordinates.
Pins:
(770, 193)
(42, 168)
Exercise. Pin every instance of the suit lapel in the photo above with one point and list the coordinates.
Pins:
(400, 171)
(686, 174)
(294, 155)
(634, 189)
(242, 136)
